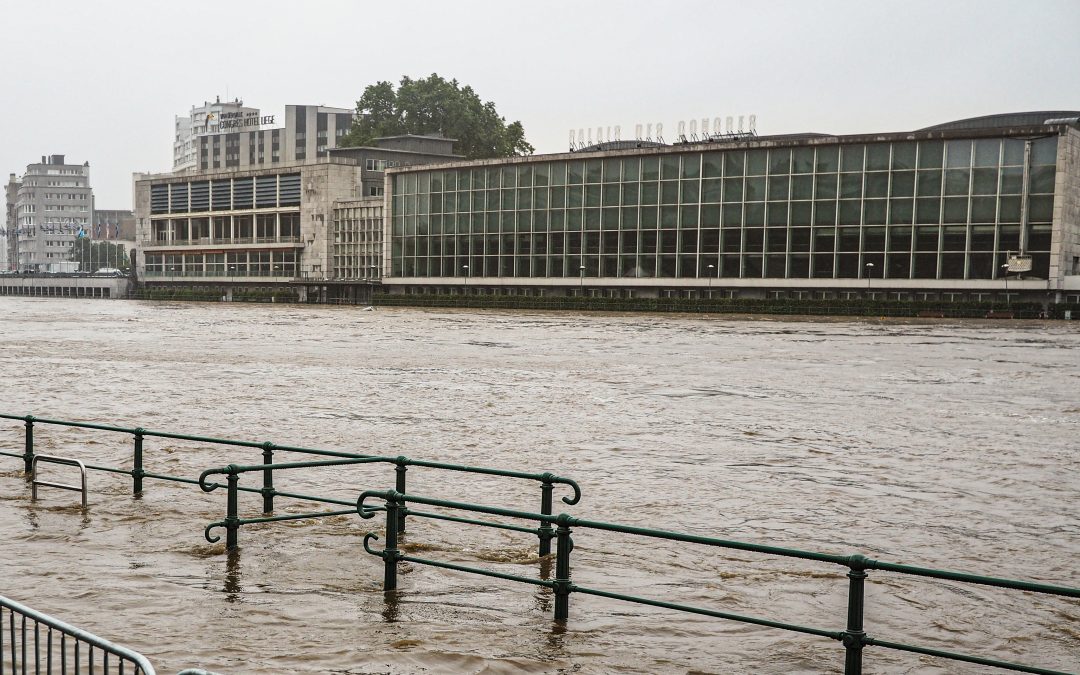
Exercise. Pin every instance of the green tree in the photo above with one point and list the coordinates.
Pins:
(435, 105)
(95, 255)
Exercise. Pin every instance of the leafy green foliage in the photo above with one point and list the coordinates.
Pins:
(436, 106)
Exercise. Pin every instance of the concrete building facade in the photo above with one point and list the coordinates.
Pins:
(48, 209)
(949, 213)
(202, 120)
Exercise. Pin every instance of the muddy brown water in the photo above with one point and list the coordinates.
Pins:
(951, 445)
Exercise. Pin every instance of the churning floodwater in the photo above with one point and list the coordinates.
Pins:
(952, 445)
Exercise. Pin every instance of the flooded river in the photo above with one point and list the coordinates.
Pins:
(949, 445)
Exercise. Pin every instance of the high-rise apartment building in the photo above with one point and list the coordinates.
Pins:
(48, 209)
(209, 118)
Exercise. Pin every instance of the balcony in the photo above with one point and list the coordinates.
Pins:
(218, 241)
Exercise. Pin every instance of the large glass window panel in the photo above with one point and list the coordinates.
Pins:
(958, 154)
(776, 240)
(540, 198)
(929, 183)
(1042, 179)
(710, 216)
(575, 172)
(558, 173)
(650, 217)
(847, 240)
(732, 215)
(903, 184)
(1039, 237)
(777, 214)
(558, 196)
(901, 211)
(1009, 210)
(983, 209)
(731, 241)
(631, 169)
(508, 200)
(874, 239)
(982, 237)
(987, 151)
(927, 238)
(802, 160)
(956, 210)
(899, 265)
(669, 241)
(899, 238)
(925, 266)
(754, 214)
(849, 212)
(851, 158)
(1012, 180)
(877, 184)
(575, 196)
(954, 238)
(669, 217)
(592, 219)
(629, 194)
(1013, 152)
(612, 171)
(778, 187)
(1041, 208)
(1009, 238)
(825, 213)
(779, 161)
(734, 163)
(690, 189)
(650, 241)
(952, 265)
(828, 159)
(594, 171)
(800, 239)
(650, 193)
(1044, 151)
(756, 162)
(823, 265)
(851, 185)
(691, 166)
(755, 189)
(688, 217)
(711, 190)
(984, 181)
(802, 186)
(733, 190)
(688, 241)
(669, 192)
(931, 154)
(667, 266)
(650, 168)
(713, 165)
(903, 156)
(669, 167)
(592, 195)
(874, 211)
(877, 157)
(753, 239)
(824, 185)
(629, 218)
(541, 174)
(957, 181)
(802, 213)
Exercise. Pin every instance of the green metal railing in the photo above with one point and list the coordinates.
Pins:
(544, 532)
(853, 637)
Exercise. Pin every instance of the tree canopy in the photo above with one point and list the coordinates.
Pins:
(436, 106)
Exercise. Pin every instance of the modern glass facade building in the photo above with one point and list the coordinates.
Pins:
(918, 213)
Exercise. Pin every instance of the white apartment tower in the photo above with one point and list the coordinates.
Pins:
(209, 118)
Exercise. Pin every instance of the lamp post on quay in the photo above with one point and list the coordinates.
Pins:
(869, 269)
(466, 269)
(1005, 275)
(711, 268)
(581, 283)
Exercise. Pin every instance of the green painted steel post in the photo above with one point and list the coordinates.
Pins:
(28, 450)
(400, 487)
(854, 636)
(546, 533)
(564, 544)
(390, 552)
(268, 478)
(137, 472)
(232, 518)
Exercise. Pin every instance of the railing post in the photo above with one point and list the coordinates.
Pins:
(400, 470)
(268, 478)
(854, 636)
(546, 533)
(390, 551)
(28, 449)
(137, 472)
(232, 518)
(564, 544)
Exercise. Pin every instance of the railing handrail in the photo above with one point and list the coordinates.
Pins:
(140, 661)
(401, 460)
(854, 638)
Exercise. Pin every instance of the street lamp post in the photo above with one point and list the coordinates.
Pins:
(466, 269)
(869, 269)
(581, 283)
(711, 268)
(1005, 275)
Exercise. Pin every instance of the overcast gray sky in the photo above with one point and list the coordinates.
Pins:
(101, 81)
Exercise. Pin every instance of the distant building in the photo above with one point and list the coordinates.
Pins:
(308, 222)
(972, 210)
(207, 119)
(113, 225)
(10, 241)
(48, 209)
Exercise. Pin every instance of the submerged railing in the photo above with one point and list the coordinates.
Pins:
(33, 642)
(853, 637)
(232, 522)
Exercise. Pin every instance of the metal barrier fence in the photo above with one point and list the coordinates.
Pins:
(544, 533)
(32, 642)
(853, 637)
